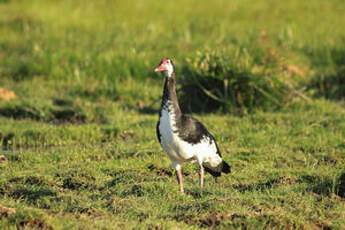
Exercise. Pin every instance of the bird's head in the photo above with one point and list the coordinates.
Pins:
(167, 66)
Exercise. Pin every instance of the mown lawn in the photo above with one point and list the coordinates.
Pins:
(78, 140)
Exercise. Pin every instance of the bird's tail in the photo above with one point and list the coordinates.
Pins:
(216, 172)
(226, 167)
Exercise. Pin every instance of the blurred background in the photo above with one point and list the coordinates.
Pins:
(77, 62)
(230, 56)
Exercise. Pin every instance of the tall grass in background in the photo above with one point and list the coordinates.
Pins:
(231, 79)
(262, 51)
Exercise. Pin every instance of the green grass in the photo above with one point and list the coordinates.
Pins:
(79, 143)
(286, 174)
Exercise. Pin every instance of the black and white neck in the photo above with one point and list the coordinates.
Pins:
(169, 99)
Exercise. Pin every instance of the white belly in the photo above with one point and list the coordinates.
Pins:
(177, 149)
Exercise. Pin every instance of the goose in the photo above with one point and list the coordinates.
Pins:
(184, 138)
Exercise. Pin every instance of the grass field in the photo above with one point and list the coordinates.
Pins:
(79, 103)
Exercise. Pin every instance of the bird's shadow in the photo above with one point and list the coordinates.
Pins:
(263, 185)
(198, 193)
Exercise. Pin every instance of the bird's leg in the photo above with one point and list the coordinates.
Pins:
(201, 176)
(180, 180)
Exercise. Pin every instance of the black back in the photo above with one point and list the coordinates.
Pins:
(191, 130)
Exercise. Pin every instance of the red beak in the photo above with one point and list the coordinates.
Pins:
(160, 68)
